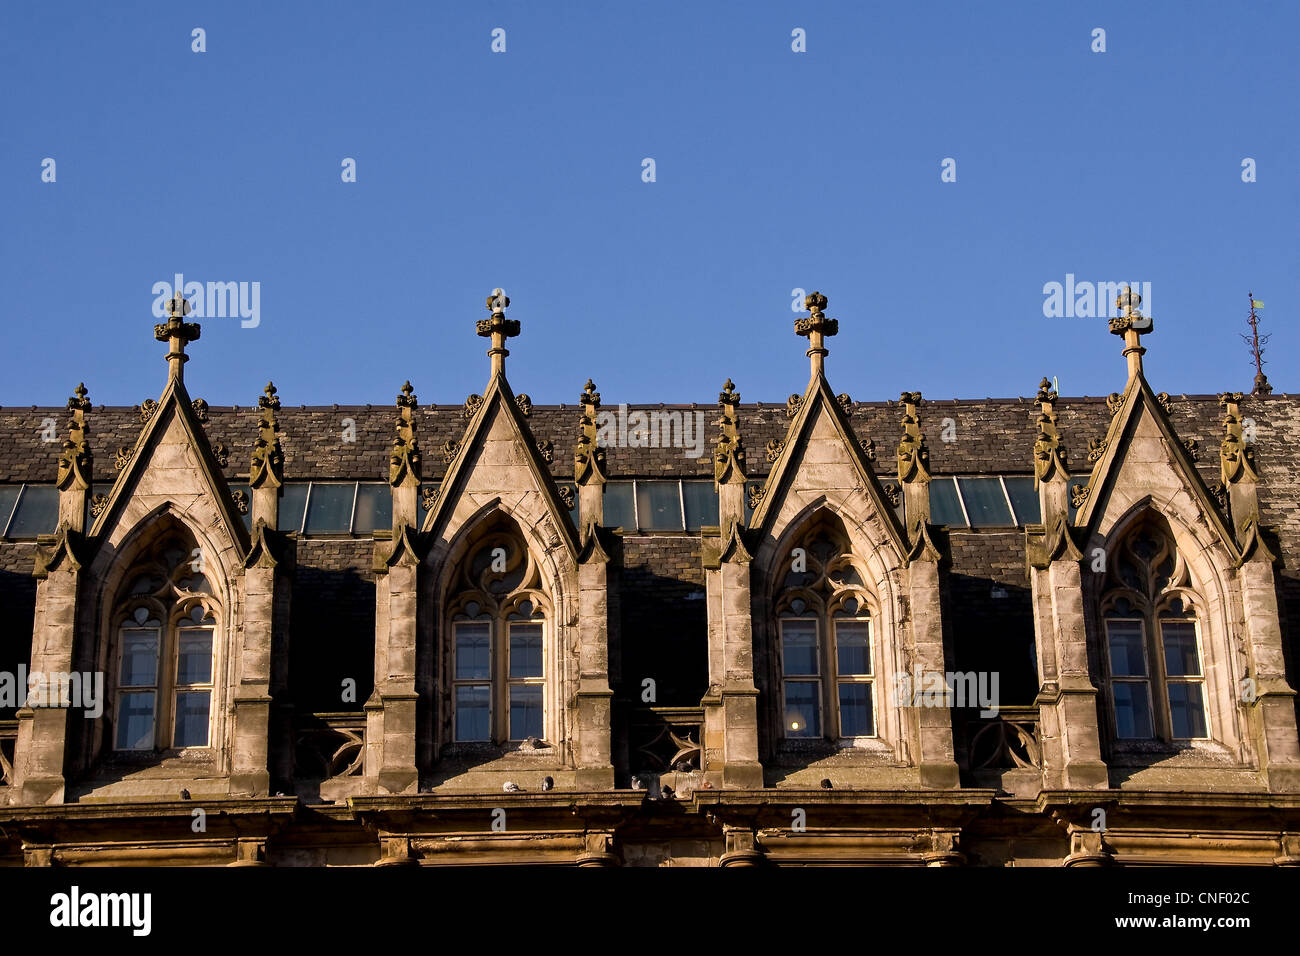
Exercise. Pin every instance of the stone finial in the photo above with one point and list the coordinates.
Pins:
(267, 464)
(404, 461)
(498, 328)
(1236, 456)
(1049, 453)
(913, 455)
(75, 463)
(1131, 324)
(177, 333)
(729, 452)
(816, 328)
(588, 456)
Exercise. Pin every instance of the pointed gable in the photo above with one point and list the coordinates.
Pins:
(498, 460)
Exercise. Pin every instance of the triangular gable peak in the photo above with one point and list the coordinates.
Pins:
(172, 465)
(821, 458)
(1143, 459)
(497, 458)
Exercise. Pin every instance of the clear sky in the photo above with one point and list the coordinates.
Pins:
(774, 170)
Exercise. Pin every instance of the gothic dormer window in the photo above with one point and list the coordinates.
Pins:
(163, 667)
(827, 656)
(1153, 650)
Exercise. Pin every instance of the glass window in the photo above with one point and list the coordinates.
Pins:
(986, 505)
(799, 647)
(802, 708)
(135, 721)
(525, 650)
(194, 656)
(945, 508)
(1186, 710)
(37, 512)
(293, 499)
(853, 649)
(1024, 499)
(1181, 656)
(139, 657)
(658, 506)
(855, 709)
(8, 495)
(1132, 710)
(701, 504)
(525, 711)
(374, 507)
(1127, 658)
(329, 508)
(473, 711)
(473, 650)
(619, 505)
(191, 719)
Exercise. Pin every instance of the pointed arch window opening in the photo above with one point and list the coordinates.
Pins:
(826, 644)
(499, 655)
(1153, 647)
(165, 626)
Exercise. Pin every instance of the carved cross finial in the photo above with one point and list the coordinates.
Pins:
(729, 452)
(588, 456)
(407, 399)
(498, 329)
(1236, 456)
(816, 328)
(1131, 324)
(267, 399)
(75, 461)
(1049, 453)
(404, 462)
(177, 333)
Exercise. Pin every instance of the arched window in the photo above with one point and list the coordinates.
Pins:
(827, 656)
(498, 622)
(165, 624)
(1153, 651)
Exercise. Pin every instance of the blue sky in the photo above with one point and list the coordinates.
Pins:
(523, 169)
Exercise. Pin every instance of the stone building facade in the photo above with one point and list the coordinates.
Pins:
(910, 632)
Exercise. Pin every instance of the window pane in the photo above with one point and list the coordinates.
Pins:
(658, 506)
(525, 650)
(1186, 710)
(473, 651)
(1127, 658)
(1132, 710)
(1181, 656)
(855, 710)
(852, 648)
(701, 504)
(525, 711)
(1024, 499)
(799, 647)
(329, 510)
(135, 721)
(944, 506)
(802, 709)
(37, 512)
(374, 508)
(8, 495)
(194, 656)
(618, 506)
(139, 658)
(986, 505)
(191, 719)
(292, 499)
(473, 712)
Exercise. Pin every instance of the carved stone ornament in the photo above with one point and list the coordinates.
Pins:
(76, 460)
(756, 493)
(240, 499)
(913, 456)
(200, 410)
(449, 449)
(1049, 453)
(266, 467)
(404, 460)
(1236, 455)
(1114, 401)
(774, 449)
(792, 405)
(97, 505)
(123, 457)
(868, 447)
(567, 496)
(1079, 495)
(221, 452)
(429, 496)
(893, 493)
(588, 456)
(729, 452)
(1166, 402)
(472, 404)
(546, 450)
(1097, 448)
(1192, 446)
(844, 401)
(525, 405)
(147, 408)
